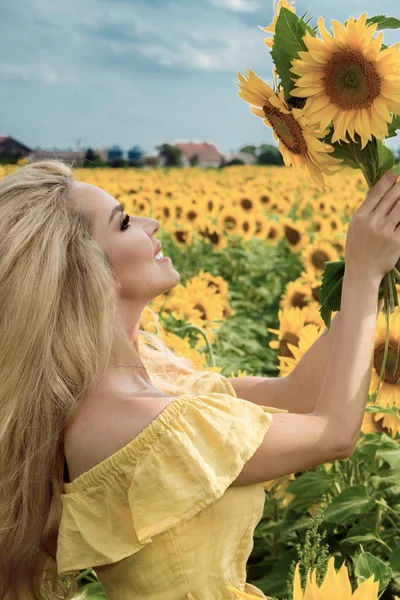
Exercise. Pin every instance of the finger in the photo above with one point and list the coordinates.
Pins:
(385, 183)
(388, 202)
(393, 217)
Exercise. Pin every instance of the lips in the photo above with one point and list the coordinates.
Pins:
(158, 248)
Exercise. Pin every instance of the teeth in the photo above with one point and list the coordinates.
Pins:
(159, 255)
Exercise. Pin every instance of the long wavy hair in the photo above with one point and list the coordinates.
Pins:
(58, 328)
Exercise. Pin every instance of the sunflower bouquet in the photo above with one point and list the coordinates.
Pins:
(335, 100)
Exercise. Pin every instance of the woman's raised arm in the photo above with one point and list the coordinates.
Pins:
(295, 442)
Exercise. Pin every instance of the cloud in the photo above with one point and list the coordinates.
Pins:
(237, 5)
(43, 73)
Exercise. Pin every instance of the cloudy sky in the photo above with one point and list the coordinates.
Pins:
(140, 71)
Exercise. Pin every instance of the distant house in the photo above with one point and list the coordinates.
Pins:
(207, 154)
(9, 147)
(245, 157)
(75, 158)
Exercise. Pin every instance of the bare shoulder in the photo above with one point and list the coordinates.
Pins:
(104, 426)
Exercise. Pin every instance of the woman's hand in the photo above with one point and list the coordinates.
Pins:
(373, 238)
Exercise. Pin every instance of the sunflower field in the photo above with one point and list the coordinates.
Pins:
(250, 244)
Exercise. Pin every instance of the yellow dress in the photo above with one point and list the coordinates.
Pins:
(160, 511)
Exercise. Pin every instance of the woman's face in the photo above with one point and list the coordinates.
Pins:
(131, 249)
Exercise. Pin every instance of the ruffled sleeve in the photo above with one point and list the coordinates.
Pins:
(180, 463)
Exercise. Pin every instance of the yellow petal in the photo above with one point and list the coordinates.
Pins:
(258, 112)
(372, 49)
(306, 92)
(339, 33)
(316, 103)
(328, 39)
(381, 108)
(242, 595)
(368, 590)
(297, 590)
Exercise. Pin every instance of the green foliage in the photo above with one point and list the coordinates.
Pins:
(314, 553)
(367, 565)
(331, 289)
(250, 149)
(385, 22)
(170, 154)
(288, 42)
(361, 519)
(394, 126)
(256, 275)
(269, 154)
(385, 159)
(352, 501)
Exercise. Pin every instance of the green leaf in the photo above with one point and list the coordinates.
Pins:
(355, 540)
(367, 564)
(387, 410)
(385, 159)
(331, 289)
(288, 42)
(352, 501)
(395, 560)
(94, 591)
(384, 22)
(390, 455)
(394, 126)
(311, 484)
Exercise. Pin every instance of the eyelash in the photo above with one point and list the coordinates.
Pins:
(125, 221)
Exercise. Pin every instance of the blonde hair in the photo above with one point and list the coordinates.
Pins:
(58, 322)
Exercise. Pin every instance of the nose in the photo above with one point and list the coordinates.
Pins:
(156, 224)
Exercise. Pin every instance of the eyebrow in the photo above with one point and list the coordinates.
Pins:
(115, 210)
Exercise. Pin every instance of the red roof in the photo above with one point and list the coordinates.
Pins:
(5, 138)
(207, 152)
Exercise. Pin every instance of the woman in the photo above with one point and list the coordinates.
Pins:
(163, 465)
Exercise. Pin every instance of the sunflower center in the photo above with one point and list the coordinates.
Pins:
(315, 292)
(288, 338)
(318, 259)
(287, 129)
(272, 233)
(350, 80)
(292, 235)
(200, 308)
(392, 368)
(299, 299)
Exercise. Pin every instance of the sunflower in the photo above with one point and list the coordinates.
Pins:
(389, 389)
(261, 225)
(296, 294)
(274, 233)
(215, 283)
(312, 315)
(212, 234)
(291, 324)
(317, 254)
(197, 303)
(295, 233)
(308, 335)
(229, 220)
(349, 80)
(335, 585)
(181, 346)
(320, 225)
(271, 28)
(297, 139)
